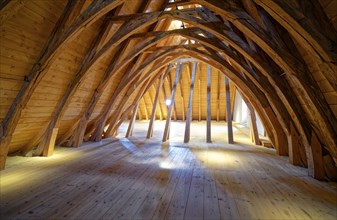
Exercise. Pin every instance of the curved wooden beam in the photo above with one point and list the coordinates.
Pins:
(307, 22)
(295, 70)
(255, 94)
(281, 86)
(189, 33)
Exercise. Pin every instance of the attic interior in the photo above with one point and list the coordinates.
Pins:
(168, 109)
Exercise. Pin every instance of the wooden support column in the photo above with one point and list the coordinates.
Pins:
(4, 151)
(208, 115)
(145, 109)
(189, 109)
(315, 167)
(169, 113)
(154, 107)
(253, 127)
(281, 141)
(228, 112)
(232, 91)
(294, 147)
(199, 96)
(218, 98)
(48, 151)
(174, 108)
(132, 121)
(182, 99)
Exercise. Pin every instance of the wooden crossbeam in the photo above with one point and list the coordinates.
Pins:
(189, 109)
(169, 113)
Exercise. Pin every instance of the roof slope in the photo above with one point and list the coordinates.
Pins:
(75, 70)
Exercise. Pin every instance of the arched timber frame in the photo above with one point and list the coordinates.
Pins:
(294, 68)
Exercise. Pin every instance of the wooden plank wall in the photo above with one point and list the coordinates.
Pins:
(23, 35)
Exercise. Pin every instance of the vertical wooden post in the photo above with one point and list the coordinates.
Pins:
(294, 147)
(132, 121)
(154, 107)
(170, 86)
(218, 98)
(4, 151)
(253, 127)
(145, 109)
(182, 100)
(189, 110)
(169, 113)
(199, 95)
(48, 151)
(281, 141)
(316, 168)
(232, 91)
(208, 115)
(228, 112)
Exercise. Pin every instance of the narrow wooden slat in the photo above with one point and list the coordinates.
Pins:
(228, 113)
(208, 114)
(168, 119)
(154, 107)
(189, 108)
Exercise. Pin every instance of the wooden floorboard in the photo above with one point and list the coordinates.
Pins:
(138, 178)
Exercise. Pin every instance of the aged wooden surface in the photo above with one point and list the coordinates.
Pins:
(143, 179)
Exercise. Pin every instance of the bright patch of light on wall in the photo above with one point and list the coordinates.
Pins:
(168, 102)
